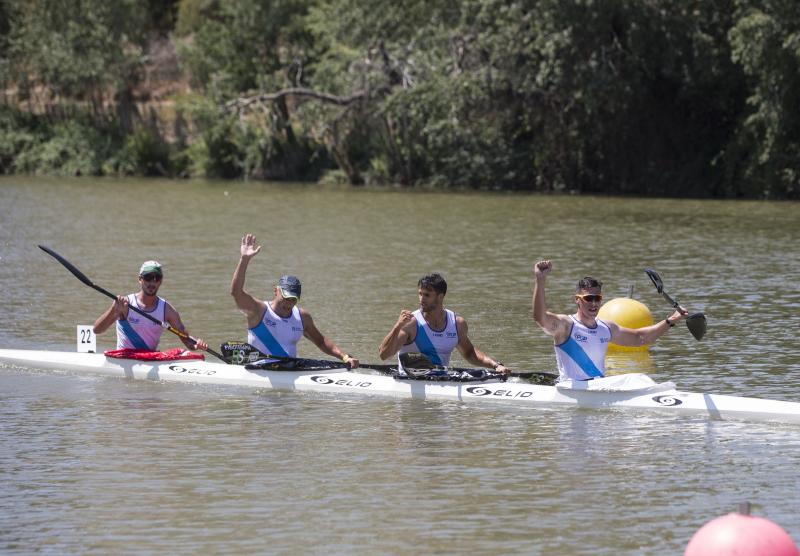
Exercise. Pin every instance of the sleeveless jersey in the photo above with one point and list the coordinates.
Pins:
(582, 355)
(276, 335)
(437, 345)
(136, 331)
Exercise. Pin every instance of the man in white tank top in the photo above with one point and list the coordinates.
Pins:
(134, 331)
(434, 331)
(275, 327)
(581, 340)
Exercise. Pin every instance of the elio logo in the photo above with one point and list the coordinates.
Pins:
(667, 400)
(479, 391)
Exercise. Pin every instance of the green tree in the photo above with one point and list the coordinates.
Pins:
(231, 49)
(77, 52)
(609, 95)
(241, 46)
(766, 43)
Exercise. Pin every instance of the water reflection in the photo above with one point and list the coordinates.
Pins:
(621, 362)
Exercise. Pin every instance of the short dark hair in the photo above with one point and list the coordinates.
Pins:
(433, 281)
(588, 282)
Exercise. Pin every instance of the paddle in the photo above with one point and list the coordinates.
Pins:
(82, 277)
(240, 353)
(696, 322)
(421, 361)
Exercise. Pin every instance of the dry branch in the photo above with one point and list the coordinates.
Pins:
(245, 102)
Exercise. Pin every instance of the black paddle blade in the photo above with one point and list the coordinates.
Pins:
(656, 279)
(696, 323)
(68, 265)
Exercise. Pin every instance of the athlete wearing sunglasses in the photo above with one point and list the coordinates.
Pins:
(581, 340)
(135, 331)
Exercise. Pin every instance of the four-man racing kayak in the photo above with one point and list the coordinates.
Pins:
(631, 391)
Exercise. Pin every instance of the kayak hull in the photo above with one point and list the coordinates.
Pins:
(661, 398)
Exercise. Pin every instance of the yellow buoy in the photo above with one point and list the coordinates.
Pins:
(627, 312)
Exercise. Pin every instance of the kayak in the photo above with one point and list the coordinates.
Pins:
(632, 391)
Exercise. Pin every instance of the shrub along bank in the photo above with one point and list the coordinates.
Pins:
(603, 96)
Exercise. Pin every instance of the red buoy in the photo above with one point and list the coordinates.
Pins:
(739, 534)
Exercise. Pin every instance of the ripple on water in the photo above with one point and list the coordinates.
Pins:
(104, 465)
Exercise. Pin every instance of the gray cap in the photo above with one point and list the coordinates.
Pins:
(290, 287)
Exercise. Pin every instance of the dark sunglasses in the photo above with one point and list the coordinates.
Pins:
(152, 277)
(590, 297)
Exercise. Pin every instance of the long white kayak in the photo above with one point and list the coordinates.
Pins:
(633, 391)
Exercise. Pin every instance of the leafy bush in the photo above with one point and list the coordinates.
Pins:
(603, 96)
(16, 135)
(145, 153)
(72, 148)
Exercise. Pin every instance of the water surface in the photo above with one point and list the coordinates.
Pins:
(112, 466)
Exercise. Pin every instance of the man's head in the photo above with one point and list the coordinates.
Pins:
(433, 281)
(587, 283)
(432, 289)
(588, 295)
(289, 287)
(150, 275)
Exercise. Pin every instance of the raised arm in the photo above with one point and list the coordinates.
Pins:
(249, 305)
(553, 324)
(399, 335)
(326, 345)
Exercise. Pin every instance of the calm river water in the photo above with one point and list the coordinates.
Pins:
(100, 465)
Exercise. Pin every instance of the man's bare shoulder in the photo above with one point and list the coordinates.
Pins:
(304, 314)
(558, 323)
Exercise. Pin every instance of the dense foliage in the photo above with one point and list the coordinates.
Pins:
(654, 97)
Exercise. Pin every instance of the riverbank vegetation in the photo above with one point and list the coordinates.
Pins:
(655, 97)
